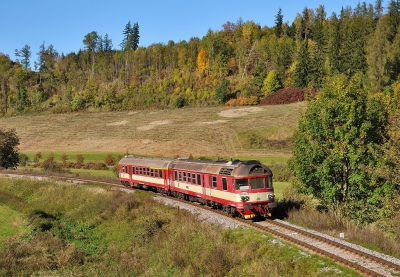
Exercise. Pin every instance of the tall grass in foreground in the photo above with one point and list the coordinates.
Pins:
(371, 236)
(89, 230)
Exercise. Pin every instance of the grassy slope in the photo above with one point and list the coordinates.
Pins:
(207, 131)
(96, 231)
(11, 223)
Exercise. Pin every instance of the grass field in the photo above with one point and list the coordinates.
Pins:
(279, 188)
(201, 132)
(11, 223)
(93, 230)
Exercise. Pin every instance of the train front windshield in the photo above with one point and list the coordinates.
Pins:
(253, 183)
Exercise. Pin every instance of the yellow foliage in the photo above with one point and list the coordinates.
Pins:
(202, 61)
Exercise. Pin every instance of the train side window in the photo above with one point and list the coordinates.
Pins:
(194, 178)
(175, 175)
(224, 184)
(189, 178)
(199, 179)
(160, 173)
(180, 176)
(184, 176)
(214, 181)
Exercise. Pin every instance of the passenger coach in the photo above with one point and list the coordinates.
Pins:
(240, 188)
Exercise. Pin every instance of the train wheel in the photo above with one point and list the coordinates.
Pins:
(232, 212)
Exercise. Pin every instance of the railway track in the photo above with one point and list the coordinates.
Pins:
(367, 262)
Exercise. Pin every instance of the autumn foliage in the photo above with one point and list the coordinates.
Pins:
(286, 96)
(202, 62)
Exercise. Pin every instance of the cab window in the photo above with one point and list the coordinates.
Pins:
(257, 183)
(241, 184)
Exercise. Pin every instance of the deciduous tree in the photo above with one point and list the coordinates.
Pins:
(335, 145)
(202, 61)
(9, 142)
(271, 83)
(91, 42)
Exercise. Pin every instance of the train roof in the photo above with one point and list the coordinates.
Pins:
(156, 163)
(235, 168)
(231, 168)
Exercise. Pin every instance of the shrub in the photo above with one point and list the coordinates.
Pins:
(23, 159)
(79, 160)
(109, 160)
(287, 96)
(180, 102)
(95, 166)
(37, 157)
(50, 165)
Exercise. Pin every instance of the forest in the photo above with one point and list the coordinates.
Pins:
(240, 64)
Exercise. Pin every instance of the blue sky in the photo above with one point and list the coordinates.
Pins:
(64, 23)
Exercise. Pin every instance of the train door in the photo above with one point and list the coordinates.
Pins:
(130, 172)
(165, 176)
(200, 182)
(209, 185)
(171, 177)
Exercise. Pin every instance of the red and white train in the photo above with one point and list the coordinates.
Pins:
(240, 188)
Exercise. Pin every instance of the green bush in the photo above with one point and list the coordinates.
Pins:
(23, 159)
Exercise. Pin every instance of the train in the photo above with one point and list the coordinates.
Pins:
(240, 188)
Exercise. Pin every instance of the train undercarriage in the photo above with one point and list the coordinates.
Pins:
(249, 211)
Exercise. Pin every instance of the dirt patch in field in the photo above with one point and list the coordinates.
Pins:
(213, 122)
(153, 125)
(123, 122)
(240, 112)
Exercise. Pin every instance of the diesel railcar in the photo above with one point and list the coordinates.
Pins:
(240, 188)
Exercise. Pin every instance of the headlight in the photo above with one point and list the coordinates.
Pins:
(271, 196)
(244, 197)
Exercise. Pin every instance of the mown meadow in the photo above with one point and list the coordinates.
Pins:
(64, 229)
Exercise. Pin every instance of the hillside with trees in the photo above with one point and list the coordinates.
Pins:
(240, 64)
(347, 65)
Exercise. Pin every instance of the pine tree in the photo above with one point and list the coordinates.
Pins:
(131, 37)
(392, 18)
(25, 54)
(333, 44)
(278, 23)
(302, 67)
(127, 33)
(135, 36)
